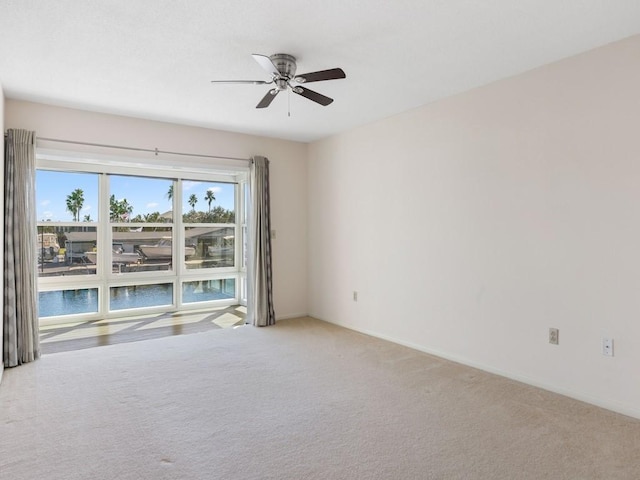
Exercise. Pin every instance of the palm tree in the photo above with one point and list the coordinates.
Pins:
(209, 197)
(119, 209)
(75, 200)
(170, 192)
(152, 217)
(126, 209)
(192, 201)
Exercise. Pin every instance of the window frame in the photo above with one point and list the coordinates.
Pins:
(105, 165)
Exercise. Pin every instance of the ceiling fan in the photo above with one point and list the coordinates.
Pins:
(282, 68)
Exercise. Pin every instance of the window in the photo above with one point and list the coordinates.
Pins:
(140, 296)
(205, 290)
(109, 242)
(68, 302)
(64, 250)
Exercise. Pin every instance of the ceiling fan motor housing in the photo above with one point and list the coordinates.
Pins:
(286, 64)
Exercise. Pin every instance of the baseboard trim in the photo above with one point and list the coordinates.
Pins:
(290, 316)
(598, 402)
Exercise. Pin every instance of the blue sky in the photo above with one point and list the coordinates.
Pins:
(146, 195)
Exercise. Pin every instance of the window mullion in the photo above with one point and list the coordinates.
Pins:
(179, 241)
(104, 240)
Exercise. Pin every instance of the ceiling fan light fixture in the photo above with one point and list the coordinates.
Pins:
(285, 64)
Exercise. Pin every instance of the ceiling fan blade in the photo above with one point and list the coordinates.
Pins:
(253, 82)
(331, 74)
(266, 63)
(311, 95)
(268, 98)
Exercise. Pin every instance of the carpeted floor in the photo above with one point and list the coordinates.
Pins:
(301, 400)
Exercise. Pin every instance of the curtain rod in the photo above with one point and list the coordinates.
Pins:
(149, 150)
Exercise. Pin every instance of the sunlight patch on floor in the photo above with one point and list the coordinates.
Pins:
(88, 331)
(172, 321)
(58, 326)
(78, 335)
(226, 320)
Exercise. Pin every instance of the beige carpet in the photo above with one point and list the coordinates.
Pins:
(301, 400)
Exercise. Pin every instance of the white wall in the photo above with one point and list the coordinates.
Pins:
(288, 170)
(472, 225)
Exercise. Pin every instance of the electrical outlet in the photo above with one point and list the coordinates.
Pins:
(355, 296)
(554, 336)
(607, 347)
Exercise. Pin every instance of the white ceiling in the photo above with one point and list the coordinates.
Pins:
(154, 59)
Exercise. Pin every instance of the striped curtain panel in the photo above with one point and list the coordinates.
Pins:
(20, 321)
(260, 310)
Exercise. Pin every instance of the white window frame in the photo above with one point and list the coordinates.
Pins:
(178, 171)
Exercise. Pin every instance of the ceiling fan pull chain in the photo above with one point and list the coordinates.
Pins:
(288, 102)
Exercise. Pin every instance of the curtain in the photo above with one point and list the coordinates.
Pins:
(20, 321)
(259, 274)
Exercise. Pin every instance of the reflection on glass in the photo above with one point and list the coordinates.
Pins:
(62, 251)
(207, 290)
(141, 249)
(68, 302)
(140, 296)
(208, 202)
(213, 247)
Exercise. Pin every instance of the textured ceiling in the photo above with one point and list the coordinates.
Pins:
(155, 58)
